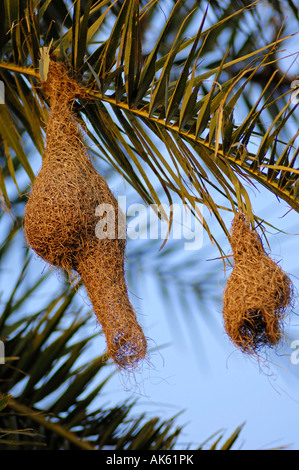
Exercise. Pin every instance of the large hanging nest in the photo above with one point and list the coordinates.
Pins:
(257, 293)
(60, 221)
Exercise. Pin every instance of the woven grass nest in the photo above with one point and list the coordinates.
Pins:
(257, 293)
(60, 221)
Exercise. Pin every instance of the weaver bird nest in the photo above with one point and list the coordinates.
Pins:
(257, 293)
(60, 221)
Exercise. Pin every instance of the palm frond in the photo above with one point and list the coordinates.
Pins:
(144, 106)
(47, 371)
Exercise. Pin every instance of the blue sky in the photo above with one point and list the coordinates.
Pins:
(217, 385)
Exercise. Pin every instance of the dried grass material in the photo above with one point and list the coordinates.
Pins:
(257, 292)
(60, 222)
(108, 293)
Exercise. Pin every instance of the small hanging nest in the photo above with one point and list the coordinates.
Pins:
(60, 221)
(257, 293)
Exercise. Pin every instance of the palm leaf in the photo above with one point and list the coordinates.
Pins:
(205, 147)
(48, 354)
(229, 168)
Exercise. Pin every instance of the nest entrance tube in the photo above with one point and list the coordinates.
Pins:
(257, 293)
(108, 293)
(61, 218)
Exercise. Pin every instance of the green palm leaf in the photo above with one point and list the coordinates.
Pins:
(206, 148)
(38, 347)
